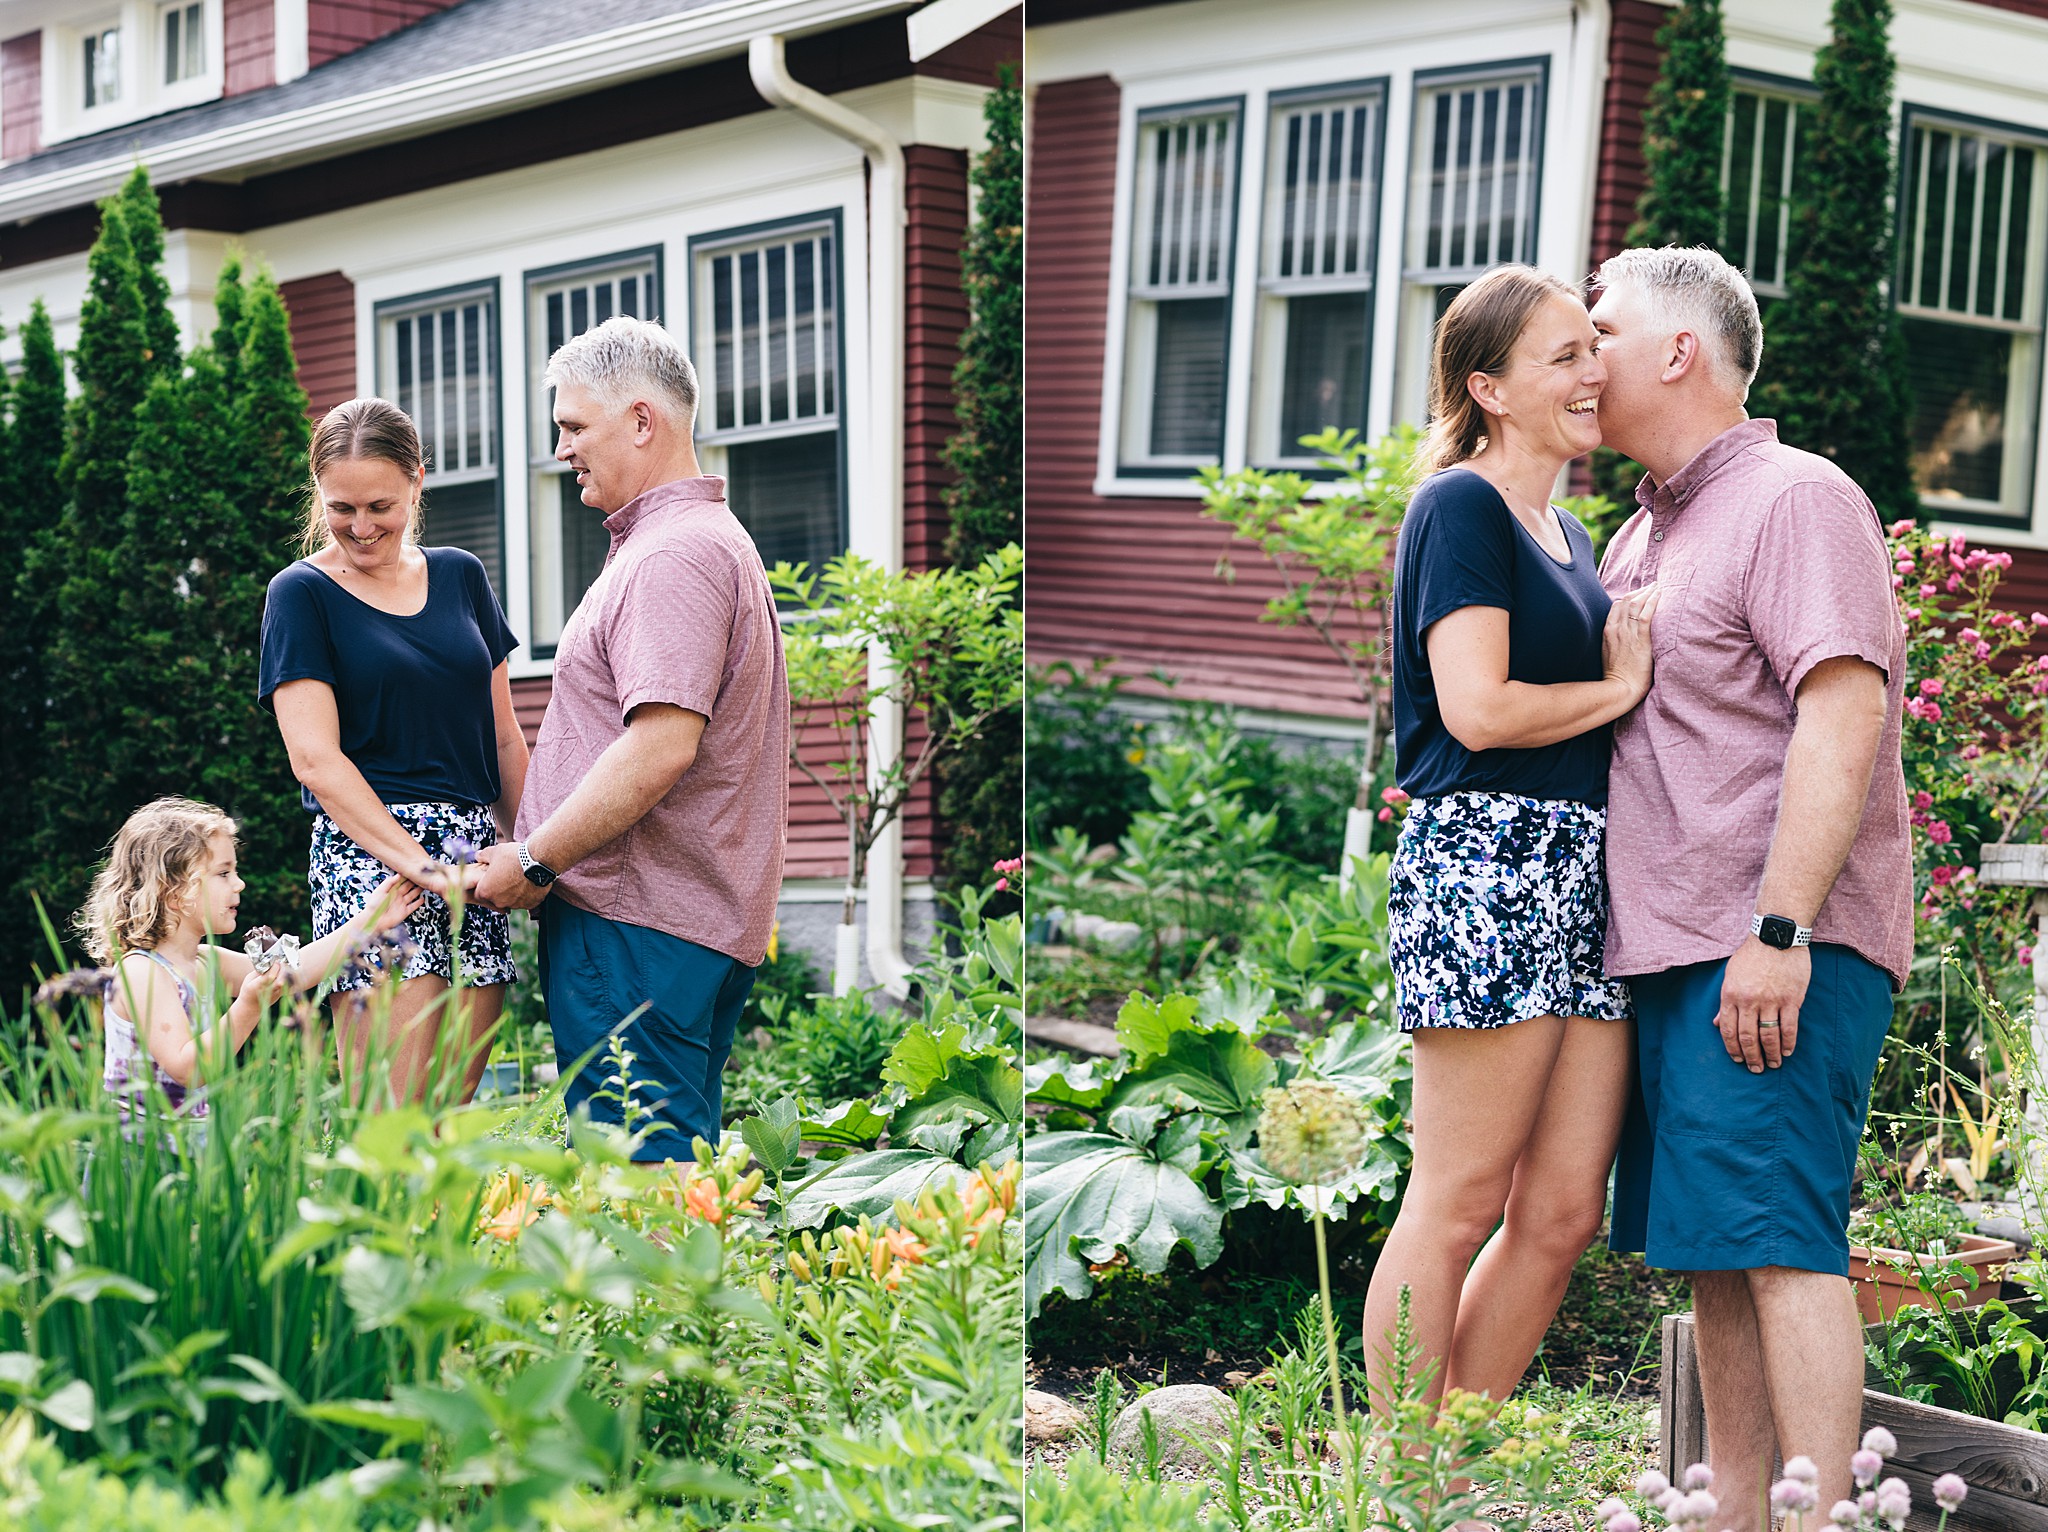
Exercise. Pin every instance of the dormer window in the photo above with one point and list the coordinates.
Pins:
(102, 66)
(184, 33)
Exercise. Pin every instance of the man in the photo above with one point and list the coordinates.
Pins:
(1758, 863)
(656, 803)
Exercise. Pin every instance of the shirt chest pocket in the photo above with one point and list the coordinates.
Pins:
(1674, 602)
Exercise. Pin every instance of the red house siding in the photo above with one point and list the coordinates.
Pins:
(335, 27)
(1633, 58)
(21, 95)
(248, 45)
(323, 320)
(1129, 580)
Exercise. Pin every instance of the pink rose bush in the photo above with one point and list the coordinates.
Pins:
(1974, 738)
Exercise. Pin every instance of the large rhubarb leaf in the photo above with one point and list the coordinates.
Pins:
(868, 1183)
(1089, 1195)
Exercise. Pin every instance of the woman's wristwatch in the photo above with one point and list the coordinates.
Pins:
(1771, 930)
(537, 873)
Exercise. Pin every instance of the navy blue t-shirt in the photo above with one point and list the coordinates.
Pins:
(1461, 546)
(414, 693)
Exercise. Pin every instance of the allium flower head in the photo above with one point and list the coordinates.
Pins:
(1312, 1133)
(1700, 1507)
(1652, 1484)
(1699, 1476)
(1844, 1513)
(1608, 1509)
(1866, 1466)
(1894, 1501)
(1950, 1491)
(1790, 1494)
(1803, 1469)
(1880, 1441)
(1624, 1521)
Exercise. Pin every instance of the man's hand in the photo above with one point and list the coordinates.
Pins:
(1761, 992)
(502, 885)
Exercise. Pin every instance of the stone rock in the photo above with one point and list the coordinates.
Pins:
(1049, 1418)
(1183, 1414)
(1106, 935)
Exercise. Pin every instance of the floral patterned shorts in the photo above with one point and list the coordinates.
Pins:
(344, 876)
(1497, 912)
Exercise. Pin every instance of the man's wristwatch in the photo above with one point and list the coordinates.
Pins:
(538, 874)
(1771, 930)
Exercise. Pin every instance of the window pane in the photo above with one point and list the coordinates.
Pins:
(1325, 371)
(786, 494)
(585, 543)
(1187, 378)
(1322, 204)
(466, 516)
(772, 358)
(1474, 175)
(1960, 377)
(1186, 203)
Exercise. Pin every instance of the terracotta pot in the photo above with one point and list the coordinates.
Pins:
(1882, 1289)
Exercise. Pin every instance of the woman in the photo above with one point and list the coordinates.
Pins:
(1509, 666)
(385, 664)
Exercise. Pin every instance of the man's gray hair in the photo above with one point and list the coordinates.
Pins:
(1696, 290)
(625, 359)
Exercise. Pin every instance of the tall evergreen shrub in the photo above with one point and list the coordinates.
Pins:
(981, 790)
(1834, 373)
(1683, 130)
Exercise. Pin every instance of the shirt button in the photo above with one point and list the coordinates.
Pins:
(1656, 537)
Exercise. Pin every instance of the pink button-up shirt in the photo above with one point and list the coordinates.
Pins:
(1769, 560)
(682, 613)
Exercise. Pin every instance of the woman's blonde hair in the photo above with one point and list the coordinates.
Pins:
(159, 851)
(1477, 334)
(360, 428)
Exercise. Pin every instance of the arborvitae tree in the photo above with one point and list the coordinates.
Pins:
(1683, 129)
(96, 677)
(981, 790)
(1834, 365)
(32, 503)
(250, 774)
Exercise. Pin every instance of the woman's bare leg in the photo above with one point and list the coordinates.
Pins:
(1478, 1097)
(404, 1034)
(1554, 1210)
(482, 1005)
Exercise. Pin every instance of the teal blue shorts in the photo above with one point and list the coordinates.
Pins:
(675, 1005)
(1724, 1170)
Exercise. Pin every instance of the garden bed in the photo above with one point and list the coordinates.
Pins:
(2006, 1467)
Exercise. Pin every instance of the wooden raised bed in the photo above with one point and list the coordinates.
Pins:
(2005, 1467)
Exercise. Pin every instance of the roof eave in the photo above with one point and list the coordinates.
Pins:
(439, 101)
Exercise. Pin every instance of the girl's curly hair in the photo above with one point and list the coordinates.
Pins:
(159, 851)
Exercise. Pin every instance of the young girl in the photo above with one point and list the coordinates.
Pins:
(168, 886)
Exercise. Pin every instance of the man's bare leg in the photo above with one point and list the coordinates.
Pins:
(1813, 1363)
(1742, 1436)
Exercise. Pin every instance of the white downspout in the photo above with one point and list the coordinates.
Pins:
(886, 221)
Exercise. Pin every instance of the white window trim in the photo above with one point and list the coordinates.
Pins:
(840, 192)
(1564, 200)
(143, 92)
(701, 320)
(2020, 517)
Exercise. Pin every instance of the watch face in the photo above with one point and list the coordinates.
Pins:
(540, 877)
(1777, 931)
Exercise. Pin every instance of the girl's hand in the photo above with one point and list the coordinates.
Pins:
(1625, 641)
(449, 879)
(392, 902)
(266, 985)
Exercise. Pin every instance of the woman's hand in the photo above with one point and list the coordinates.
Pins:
(391, 903)
(1625, 642)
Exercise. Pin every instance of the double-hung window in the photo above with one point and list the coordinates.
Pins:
(768, 351)
(184, 41)
(1759, 148)
(1176, 338)
(1971, 217)
(1474, 170)
(1318, 244)
(568, 537)
(437, 359)
(102, 82)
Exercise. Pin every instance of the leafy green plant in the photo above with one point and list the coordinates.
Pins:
(1148, 1154)
(1093, 1498)
(954, 642)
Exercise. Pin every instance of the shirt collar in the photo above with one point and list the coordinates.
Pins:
(1672, 496)
(676, 494)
